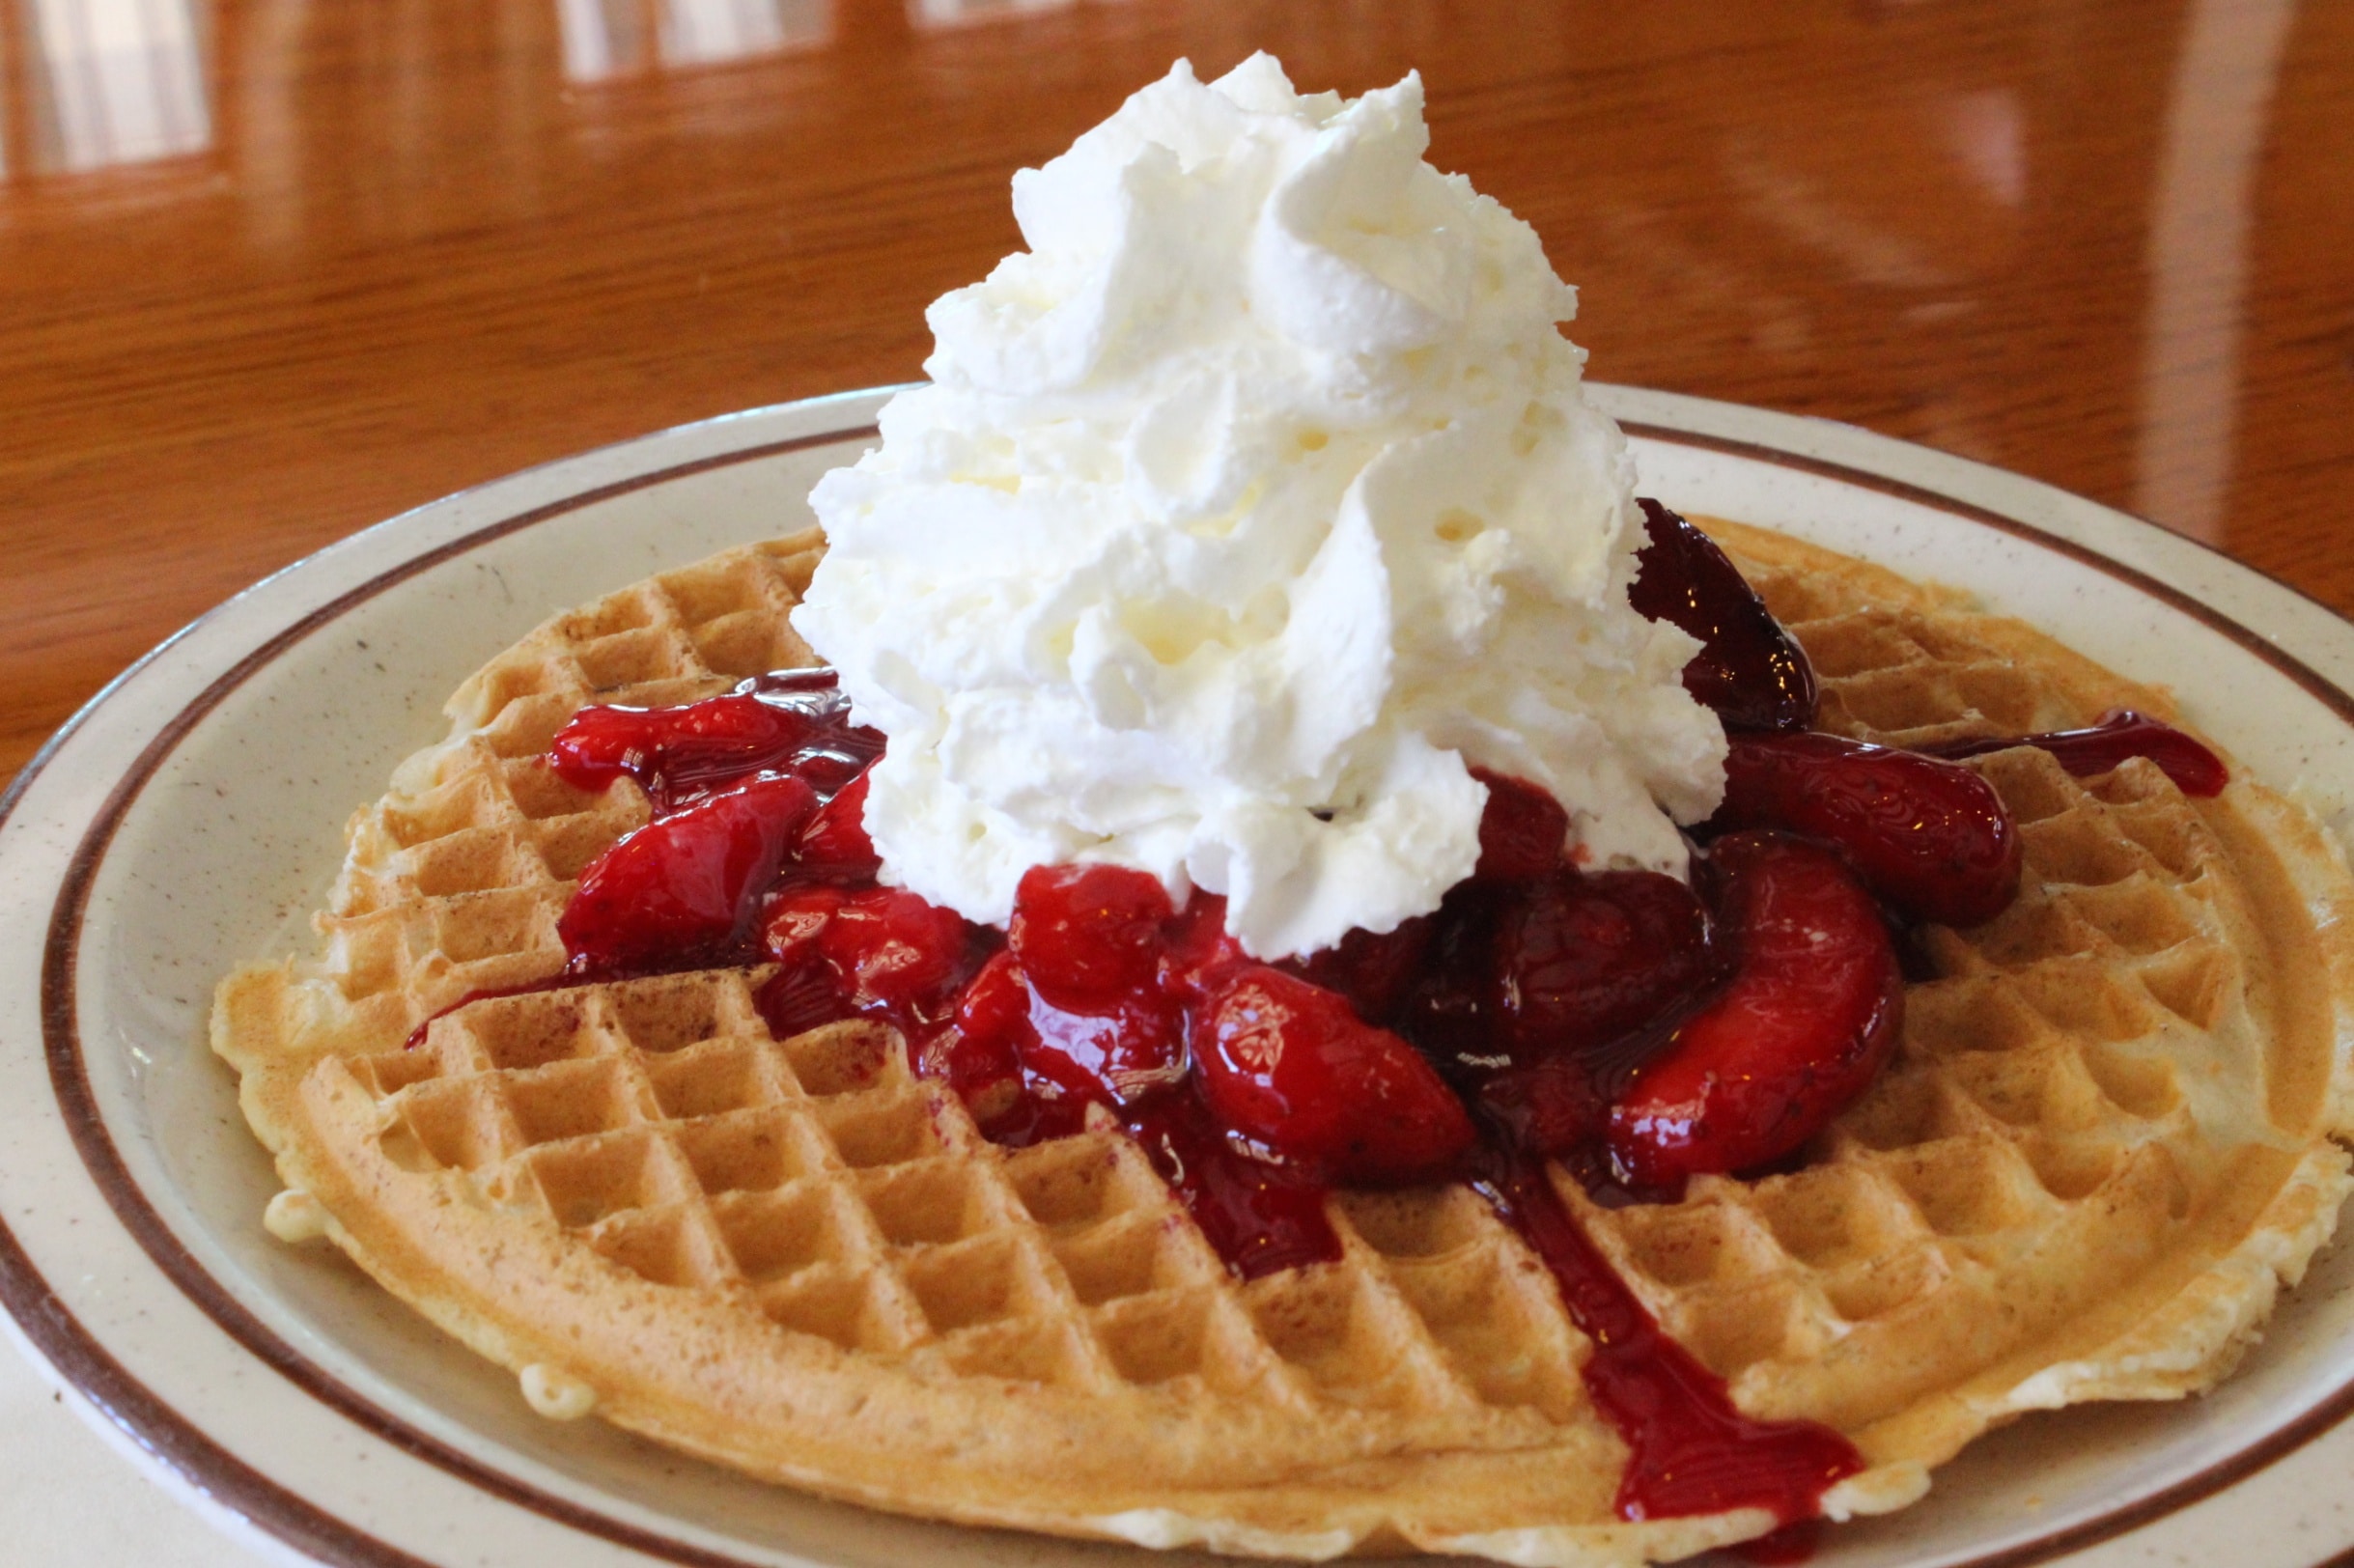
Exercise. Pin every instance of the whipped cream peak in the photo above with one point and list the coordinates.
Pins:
(1246, 509)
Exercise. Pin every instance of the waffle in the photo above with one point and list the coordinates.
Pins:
(2102, 1147)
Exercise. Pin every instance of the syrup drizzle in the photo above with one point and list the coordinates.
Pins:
(1259, 1215)
(2118, 733)
(1691, 1451)
(488, 993)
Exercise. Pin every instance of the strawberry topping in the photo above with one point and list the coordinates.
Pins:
(1930, 837)
(1088, 935)
(677, 749)
(891, 950)
(1287, 1064)
(1372, 970)
(1810, 1014)
(836, 844)
(688, 882)
(1581, 960)
(1751, 671)
(1612, 1019)
(1522, 829)
(793, 722)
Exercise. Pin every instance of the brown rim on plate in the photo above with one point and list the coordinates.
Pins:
(183, 1444)
(131, 1404)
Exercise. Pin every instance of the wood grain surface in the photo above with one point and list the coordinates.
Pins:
(271, 271)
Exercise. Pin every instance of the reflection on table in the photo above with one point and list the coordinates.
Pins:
(277, 269)
(604, 38)
(109, 81)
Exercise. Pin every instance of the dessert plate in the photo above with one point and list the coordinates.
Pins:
(189, 819)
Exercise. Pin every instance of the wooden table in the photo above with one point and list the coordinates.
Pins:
(273, 269)
(295, 267)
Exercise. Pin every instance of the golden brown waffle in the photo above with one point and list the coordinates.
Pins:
(2102, 1146)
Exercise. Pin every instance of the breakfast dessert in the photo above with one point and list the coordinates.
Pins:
(1248, 951)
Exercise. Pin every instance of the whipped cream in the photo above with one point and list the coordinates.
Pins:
(1243, 511)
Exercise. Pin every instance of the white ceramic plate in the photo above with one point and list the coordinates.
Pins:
(191, 817)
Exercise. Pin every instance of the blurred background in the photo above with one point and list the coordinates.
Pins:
(273, 269)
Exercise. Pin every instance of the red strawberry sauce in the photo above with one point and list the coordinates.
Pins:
(1103, 997)
(1543, 1013)
(1691, 1452)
